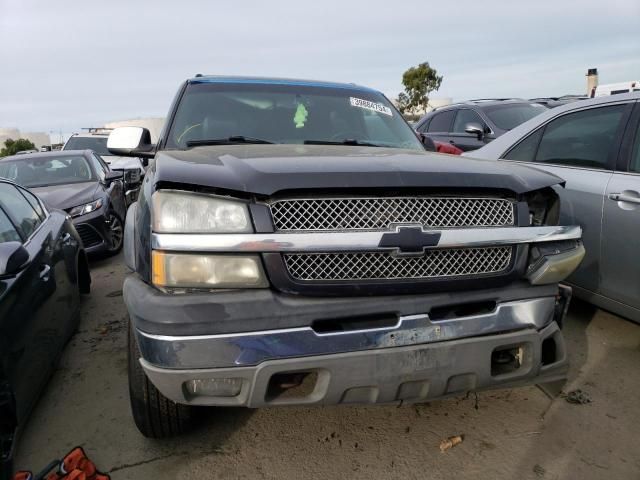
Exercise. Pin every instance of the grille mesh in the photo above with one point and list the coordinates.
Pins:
(375, 266)
(379, 213)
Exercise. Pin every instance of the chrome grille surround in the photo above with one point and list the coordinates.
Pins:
(370, 213)
(438, 263)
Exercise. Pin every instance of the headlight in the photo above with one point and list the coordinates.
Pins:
(177, 270)
(132, 175)
(554, 261)
(86, 208)
(186, 212)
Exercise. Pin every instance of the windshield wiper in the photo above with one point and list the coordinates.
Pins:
(232, 140)
(346, 141)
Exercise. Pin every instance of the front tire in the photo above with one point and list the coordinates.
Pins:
(116, 233)
(154, 414)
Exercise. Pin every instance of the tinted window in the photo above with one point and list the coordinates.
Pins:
(287, 114)
(17, 206)
(99, 167)
(441, 122)
(581, 139)
(635, 153)
(97, 144)
(425, 125)
(42, 171)
(525, 151)
(509, 116)
(8, 233)
(34, 202)
(464, 117)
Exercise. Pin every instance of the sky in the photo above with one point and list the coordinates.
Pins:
(71, 64)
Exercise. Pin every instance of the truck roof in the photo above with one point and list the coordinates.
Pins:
(276, 81)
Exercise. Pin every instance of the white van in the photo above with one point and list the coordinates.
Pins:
(615, 88)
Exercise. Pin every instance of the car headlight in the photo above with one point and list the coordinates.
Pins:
(187, 212)
(86, 208)
(186, 270)
(131, 175)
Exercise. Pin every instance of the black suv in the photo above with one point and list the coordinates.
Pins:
(294, 244)
(472, 124)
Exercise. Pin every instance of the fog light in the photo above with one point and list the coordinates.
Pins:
(214, 387)
(207, 271)
(555, 268)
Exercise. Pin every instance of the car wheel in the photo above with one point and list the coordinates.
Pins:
(154, 414)
(116, 230)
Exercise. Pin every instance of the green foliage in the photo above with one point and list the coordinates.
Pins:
(418, 83)
(11, 147)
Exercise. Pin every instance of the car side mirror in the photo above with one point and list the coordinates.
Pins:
(13, 257)
(428, 143)
(112, 175)
(131, 142)
(474, 128)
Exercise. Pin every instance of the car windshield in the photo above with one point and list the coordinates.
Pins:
(44, 171)
(511, 115)
(97, 144)
(289, 114)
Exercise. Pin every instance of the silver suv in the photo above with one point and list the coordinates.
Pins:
(96, 139)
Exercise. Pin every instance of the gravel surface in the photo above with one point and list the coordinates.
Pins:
(518, 433)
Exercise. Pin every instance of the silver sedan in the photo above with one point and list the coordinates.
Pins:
(595, 146)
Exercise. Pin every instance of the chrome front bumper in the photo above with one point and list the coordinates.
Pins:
(253, 348)
(406, 374)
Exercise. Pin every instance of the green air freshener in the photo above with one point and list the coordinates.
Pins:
(301, 116)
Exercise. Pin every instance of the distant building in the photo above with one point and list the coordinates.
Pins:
(39, 139)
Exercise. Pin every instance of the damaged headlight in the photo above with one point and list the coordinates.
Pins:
(544, 207)
(188, 212)
(553, 262)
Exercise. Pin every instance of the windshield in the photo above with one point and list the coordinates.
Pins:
(97, 144)
(44, 171)
(510, 116)
(293, 114)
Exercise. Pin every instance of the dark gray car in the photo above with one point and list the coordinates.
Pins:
(472, 124)
(595, 146)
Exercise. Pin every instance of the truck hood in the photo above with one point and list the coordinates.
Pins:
(123, 163)
(67, 195)
(268, 169)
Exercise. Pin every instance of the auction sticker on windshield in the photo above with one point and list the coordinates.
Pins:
(366, 104)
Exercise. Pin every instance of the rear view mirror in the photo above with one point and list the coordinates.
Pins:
(428, 143)
(476, 129)
(131, 142)
(13, 257)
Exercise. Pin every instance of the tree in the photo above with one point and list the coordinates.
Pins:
(11, 147)
(418, 83)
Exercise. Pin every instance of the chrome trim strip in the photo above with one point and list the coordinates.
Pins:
(354, 241)
(252, 348)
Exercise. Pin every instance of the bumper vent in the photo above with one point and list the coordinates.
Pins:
(383, 266)
(89, 236)
(339, 214)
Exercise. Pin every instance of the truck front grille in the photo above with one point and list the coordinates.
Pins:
(457, 262)
(339, 214)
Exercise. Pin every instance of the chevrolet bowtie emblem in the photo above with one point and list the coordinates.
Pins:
(409, 240)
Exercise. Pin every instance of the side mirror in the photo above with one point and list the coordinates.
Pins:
(13, 257)
(131, 142)
(428, 143)
(113, 175)
(474, 129)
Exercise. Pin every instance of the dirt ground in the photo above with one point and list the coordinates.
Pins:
(511, 434)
